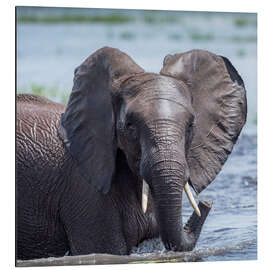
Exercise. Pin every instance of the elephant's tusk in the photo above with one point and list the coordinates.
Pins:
(145, 191)
(191, 199)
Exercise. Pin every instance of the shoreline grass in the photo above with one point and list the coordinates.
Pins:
(110, 18)
(201, 37)
(50, 92)
(243, 22)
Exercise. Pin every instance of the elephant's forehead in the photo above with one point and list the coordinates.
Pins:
(160, 91)
(165, 87)
(165, 107)
(150, 85)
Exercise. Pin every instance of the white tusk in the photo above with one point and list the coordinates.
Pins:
(191, 199)
(145, 191)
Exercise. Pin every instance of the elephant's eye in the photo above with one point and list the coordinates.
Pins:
(129, 125)
(189, 134)
(131, 129)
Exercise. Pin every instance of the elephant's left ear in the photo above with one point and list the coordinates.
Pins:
(219, 102)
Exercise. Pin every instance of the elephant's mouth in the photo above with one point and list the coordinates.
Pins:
(145, 193)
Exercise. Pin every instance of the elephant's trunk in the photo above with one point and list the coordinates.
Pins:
(166, 177)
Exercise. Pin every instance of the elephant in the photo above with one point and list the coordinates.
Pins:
(108, 170)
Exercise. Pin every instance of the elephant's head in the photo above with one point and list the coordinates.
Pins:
(175, 128)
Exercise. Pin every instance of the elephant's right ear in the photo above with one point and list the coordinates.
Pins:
(87, 127)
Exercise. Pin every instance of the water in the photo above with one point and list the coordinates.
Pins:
(233, 218)
(49, 52)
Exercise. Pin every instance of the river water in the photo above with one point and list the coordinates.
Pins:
(48, 52)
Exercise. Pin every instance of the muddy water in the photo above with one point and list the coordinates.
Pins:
(49, 52)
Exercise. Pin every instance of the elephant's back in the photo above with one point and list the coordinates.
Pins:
(35, 103)
(36, 130)
(35, 110)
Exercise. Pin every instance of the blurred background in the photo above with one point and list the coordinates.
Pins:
(52, 42)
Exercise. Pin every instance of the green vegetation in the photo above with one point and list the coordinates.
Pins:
(127, 35)
(152, 18)
(52, 93)
(149, 17)
(39, 90)
(242, 21)
(111, 18)
(241, 52)
(244, 39)
(202, 37)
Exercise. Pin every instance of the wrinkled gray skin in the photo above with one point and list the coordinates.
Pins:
(80, 168)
